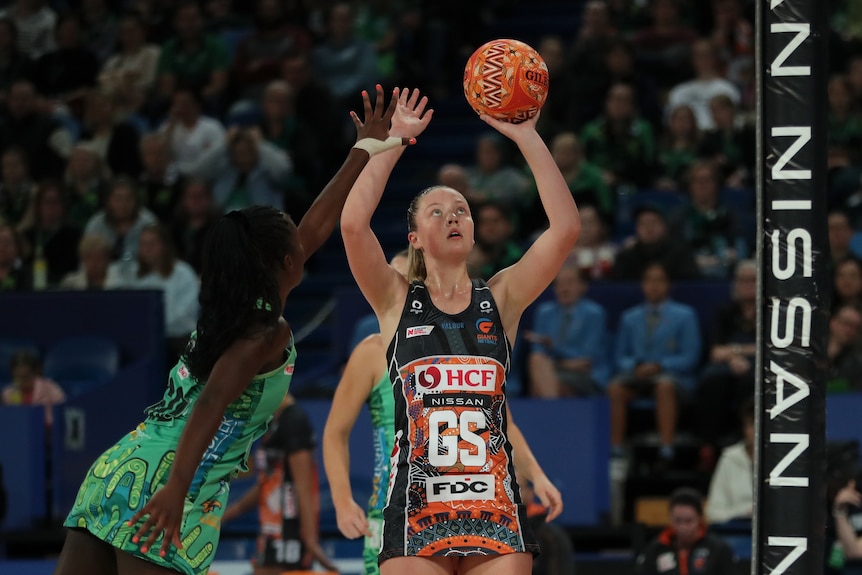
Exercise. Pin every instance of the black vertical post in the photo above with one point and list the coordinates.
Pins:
(794, 298)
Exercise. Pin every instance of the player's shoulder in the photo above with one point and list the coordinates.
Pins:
(371, 344)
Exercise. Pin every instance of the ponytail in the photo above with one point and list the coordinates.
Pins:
(415, 265)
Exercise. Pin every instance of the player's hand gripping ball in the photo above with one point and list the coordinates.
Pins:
(507, 80)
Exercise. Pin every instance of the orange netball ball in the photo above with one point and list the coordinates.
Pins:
(506, 79)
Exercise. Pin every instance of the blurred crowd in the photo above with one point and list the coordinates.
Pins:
(127, 126)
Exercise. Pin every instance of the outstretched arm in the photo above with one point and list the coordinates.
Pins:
(376, 279)
(317, 224)
(364, 368)
(520, 284)
(528, 468)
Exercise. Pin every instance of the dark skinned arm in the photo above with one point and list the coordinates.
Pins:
(320, 220)
(302, 471)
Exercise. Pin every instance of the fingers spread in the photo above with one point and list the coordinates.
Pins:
(378, 108)
(393, 105)
(421, 107)
(356, 121)
(414, 97)
(366, 101)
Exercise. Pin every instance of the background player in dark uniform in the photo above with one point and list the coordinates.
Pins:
(286, 494)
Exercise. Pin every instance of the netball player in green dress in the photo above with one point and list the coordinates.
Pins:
(152, 503)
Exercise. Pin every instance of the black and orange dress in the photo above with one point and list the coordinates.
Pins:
(452, 489)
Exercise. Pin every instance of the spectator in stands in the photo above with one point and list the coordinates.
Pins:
(35, 23)
(657, 353)
(493, 178)
(707, 84)
(295, 136)
(40, 136)
(455, 176)
(51, 237)
(94, 253)
(192, 221)
(842, 350)
(17, 190)
(379, 22)
(730, 144)
(840, 236)
(157, 267)
(685, 546)
(846, 502)
(30, 387)
(586, 62)
(122, 220)
(707, 226)
(584, 179)
(621, 143)
(189, 133)
(854, 76)
(244, 170)
(130, 74)
(160, 183)
(568, 355)
(14, 64)
(663, 47)
(678, 149)
(619, 68)
(66, 73)
(494, 249)
(344, 62)
(560, 110)
(317, 103)
(86, 184)
(732, 33)
(845, 122)
(728, 379)
(221, 19)
(115, 141)
(593, 253)
(102, 28)
(653, 244)
(847, 283)
(286, 494)
(193, 60)
(731, 489)
(14, 275)
(259, 55)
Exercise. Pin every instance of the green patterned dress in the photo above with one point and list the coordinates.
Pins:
(123, 479)
(381, 404)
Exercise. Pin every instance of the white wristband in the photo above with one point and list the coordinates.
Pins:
(374, 146)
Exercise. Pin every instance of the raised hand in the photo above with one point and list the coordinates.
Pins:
(409, 121)
(514, 132)
(373, 135)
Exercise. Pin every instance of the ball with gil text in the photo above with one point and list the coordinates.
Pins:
(506, 79)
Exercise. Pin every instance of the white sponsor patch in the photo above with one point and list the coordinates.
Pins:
(419, 330)
(459, 488)
(183, 372)
(441, 377)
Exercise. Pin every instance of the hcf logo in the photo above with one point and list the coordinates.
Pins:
(446, 377)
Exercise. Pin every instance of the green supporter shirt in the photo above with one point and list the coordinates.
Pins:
(630, 157)
(194, 68)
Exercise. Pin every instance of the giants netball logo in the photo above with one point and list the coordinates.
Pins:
(486, 329)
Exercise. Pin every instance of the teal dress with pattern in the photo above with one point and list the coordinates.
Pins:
(381, 404)
(123, 479)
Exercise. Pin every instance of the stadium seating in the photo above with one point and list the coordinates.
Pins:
(78, 363)
(9, 346)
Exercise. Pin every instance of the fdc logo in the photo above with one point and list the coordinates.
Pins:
(459, 488)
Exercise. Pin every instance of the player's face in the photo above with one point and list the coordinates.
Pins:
(443, 224)
(685, 521)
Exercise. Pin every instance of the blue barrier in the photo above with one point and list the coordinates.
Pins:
(22, 455)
